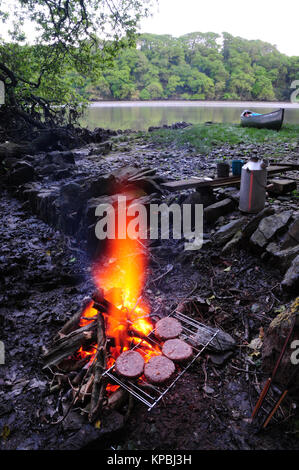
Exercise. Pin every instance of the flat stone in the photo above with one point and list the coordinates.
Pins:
(226, 232)
(219, 359)
(290, 282)
(284, 258)
(212, 212)
(292, 236)
(282, 186)
(254, 222)
(268, 227)
(222, 341)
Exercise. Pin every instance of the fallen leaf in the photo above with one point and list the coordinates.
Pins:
(5, 432)
(98, 424)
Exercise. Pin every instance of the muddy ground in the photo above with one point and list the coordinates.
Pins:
(44, 278)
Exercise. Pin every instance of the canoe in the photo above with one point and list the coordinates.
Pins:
(263, 121)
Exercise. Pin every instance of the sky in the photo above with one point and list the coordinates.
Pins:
(272, 21)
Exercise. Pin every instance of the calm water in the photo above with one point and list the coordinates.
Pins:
(141, 115)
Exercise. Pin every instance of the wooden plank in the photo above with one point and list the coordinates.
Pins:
(217, 182)
(294, 165)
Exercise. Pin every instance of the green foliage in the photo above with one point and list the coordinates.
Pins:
(196, 67)
(76, 40)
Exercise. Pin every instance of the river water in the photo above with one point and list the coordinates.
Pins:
(139, 115)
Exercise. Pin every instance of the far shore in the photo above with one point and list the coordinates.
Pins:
(199, 104)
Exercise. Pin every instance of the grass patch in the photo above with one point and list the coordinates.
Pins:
(203, 138)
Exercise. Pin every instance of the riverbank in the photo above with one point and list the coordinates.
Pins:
(204, 137)
(47, 274)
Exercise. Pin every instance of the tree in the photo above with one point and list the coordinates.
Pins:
(81, 36)
(155, 90)
(262, 88)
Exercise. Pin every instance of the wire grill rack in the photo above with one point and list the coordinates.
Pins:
(150, 394)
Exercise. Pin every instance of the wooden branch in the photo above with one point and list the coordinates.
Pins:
(73, 323)
(69, 344)
(99, 386)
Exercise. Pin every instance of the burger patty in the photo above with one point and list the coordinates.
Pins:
(159, 369)
(177, 350)
(129, 364)
(168, 328)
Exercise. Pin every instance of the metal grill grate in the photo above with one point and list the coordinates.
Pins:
(150, 394)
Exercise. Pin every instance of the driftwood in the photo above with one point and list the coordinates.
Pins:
(69, 344)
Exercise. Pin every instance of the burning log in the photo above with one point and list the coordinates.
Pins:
(69, 344)
(73, 323)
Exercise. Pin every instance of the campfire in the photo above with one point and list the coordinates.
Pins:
(114, 345)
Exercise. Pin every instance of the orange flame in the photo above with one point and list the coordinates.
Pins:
(88, 314)
(122, 279)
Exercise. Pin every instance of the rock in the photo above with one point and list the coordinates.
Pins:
(290, 282)
(222, 342)
(99, 186)
(11, 150)
(254, 222)
(226, 232)
(219, 359)
(101, 149)
(214, 211)
(89, 434)
(23, 173)
(176, 125)
(231, 192)
(59, 158)
(292, 237)
(233, 243)
(62, 174)
(282, 186)
(204, 196)
(284, 258)
(268, 228)
(208, 390)
(48, 170)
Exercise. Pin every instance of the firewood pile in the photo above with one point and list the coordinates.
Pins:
(83, 375)
(81, 356)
